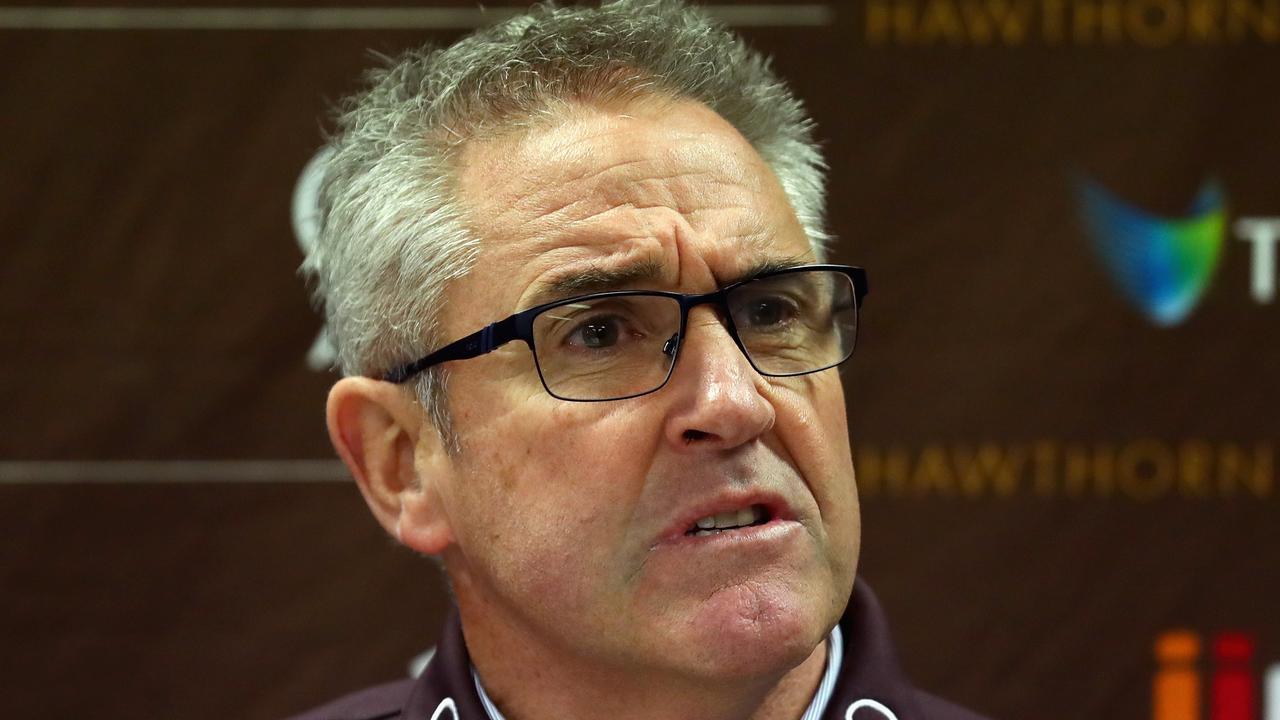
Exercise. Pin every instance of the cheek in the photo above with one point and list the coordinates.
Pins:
(546, 499)
(831, 416)
(814, 429)
(813, 425)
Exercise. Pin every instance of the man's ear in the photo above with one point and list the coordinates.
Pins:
(379, 430)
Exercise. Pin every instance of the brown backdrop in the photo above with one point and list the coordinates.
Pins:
(1049, 480)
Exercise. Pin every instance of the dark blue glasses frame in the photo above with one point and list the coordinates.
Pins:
(520, 325)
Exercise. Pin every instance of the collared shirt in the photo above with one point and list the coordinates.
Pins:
(862, 681)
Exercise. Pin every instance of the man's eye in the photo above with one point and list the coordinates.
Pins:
(769, 312)
(596, 333)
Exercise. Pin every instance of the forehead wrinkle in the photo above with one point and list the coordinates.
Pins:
(576, 185)
(582, 174)
(645, 208)
(566, 200)
(616, 187)
(686, 192)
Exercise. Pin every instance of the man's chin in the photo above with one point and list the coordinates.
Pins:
(752, 630)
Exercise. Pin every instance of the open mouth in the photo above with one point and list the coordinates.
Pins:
(731, 520)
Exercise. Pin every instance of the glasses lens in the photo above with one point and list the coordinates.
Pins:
(796, 323)
(606, 348)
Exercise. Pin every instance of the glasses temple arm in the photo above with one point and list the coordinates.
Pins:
(476, 344)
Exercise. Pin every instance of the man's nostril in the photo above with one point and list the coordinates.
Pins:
(691, 436)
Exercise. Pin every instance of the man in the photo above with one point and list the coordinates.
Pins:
(571, 266)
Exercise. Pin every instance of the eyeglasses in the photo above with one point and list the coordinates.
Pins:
(622, 344)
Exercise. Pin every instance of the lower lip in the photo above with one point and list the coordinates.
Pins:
(771, 533)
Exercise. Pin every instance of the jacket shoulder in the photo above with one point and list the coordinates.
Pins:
(381, 702)
(935, 708)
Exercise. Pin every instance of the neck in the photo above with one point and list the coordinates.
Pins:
(588, 693)
(527, 680)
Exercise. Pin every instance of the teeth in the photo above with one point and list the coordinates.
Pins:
(727, 519)
(731, 519)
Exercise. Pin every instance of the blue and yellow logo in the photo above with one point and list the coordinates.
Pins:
(1163, 265)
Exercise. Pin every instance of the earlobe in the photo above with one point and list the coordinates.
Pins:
(378, 430)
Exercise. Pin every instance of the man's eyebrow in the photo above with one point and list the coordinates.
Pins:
(765, 266)
(595, 279)
(603, 279)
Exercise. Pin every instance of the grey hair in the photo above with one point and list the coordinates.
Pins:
(392, 233)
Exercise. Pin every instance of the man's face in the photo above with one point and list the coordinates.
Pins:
(570, 519)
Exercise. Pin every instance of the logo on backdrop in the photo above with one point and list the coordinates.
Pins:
(1162, 265)
(1139, 470)
(1177, 691)
(1081, 23)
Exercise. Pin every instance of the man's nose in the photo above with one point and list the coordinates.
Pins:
(718, 399)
